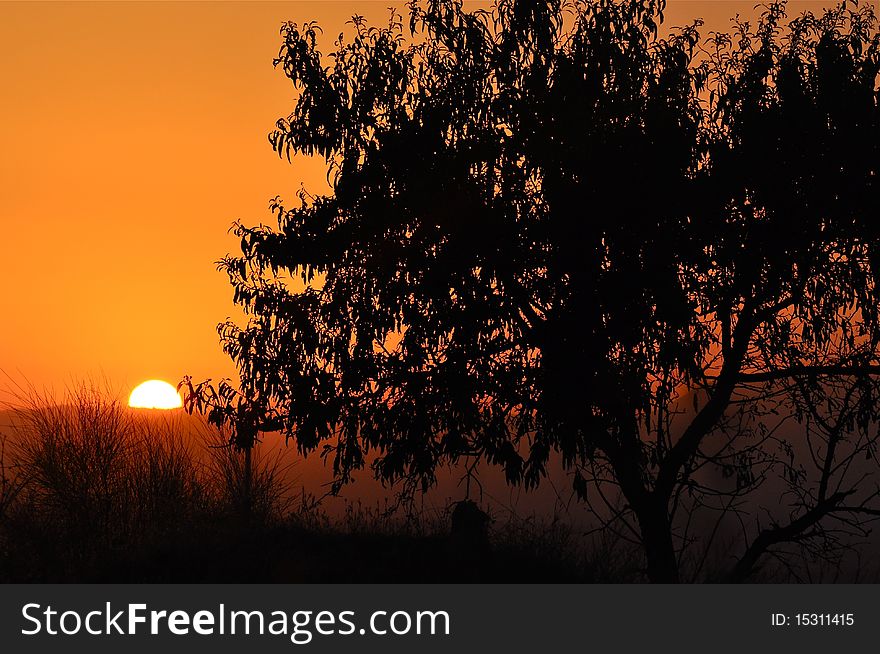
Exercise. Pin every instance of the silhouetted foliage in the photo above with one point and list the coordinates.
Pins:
(555, 236)
(91, 490)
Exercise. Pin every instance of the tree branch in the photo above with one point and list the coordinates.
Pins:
(709, 415)
(838, 370)
(785, 534)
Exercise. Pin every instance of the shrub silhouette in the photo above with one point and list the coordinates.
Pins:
(555, 236)
(93, 490)
(256, 488)
(10, 480)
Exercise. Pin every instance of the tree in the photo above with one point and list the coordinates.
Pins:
(556, 237)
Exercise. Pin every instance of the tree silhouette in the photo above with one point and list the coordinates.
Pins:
(556, 237)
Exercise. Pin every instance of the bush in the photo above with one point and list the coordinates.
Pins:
(92, 491)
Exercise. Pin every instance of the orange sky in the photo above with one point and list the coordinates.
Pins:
(131, 135)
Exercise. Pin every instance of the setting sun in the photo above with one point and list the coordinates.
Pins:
(154, 394)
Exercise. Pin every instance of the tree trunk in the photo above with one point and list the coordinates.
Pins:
(657, 541)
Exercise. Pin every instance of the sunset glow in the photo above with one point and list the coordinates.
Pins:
(147, 143)
(154, 394)
(460, 292)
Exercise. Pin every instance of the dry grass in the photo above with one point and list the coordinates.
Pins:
(10, 480)
(91, 486)
(91, 490)
(253, 485)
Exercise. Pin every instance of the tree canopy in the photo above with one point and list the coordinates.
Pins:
(559, 233)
